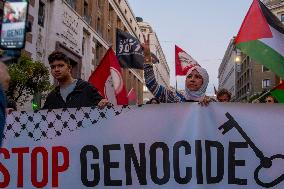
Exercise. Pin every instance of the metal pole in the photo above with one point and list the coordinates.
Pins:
(176, 84)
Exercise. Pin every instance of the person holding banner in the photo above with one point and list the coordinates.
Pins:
(71, 93)
(196, 83)
(223, 95)
(270, 100)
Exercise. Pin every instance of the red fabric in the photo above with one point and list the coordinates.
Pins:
(132, 97)
(103, 72)
(183, 67)
(179, 70)
(255, 25)
(279, 87)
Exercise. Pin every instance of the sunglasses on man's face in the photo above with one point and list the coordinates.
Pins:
(268, 101)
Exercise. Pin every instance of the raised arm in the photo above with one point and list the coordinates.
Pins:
(160, 92)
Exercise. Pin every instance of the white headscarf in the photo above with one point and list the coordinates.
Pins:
(197, 95)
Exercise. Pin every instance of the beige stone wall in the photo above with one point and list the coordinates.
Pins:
(227, 70)
(249, 80)
(276, 6)
(84, 31)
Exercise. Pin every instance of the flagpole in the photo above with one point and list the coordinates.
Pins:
(176, 84)
(267, 92)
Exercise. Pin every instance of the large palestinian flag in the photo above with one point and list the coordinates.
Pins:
(262, 38)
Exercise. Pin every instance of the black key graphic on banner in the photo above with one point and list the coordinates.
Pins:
(129, 51)
(265, 162)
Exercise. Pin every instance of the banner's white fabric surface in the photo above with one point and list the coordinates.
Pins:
(155, 146)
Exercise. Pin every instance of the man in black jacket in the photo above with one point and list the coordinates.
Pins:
(71, 93)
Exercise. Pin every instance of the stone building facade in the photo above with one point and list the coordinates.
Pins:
(253, 78)
(84, 30)
(277, 7)
(227, 70)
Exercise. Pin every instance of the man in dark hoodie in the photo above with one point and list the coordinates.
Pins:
(70, 93)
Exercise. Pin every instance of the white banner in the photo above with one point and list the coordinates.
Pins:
(230, 146)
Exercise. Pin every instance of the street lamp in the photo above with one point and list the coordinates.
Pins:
(238, 60)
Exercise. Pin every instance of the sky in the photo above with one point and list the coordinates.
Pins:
(202, 28)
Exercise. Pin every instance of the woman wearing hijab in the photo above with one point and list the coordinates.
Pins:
(196, 83)
(195, 86)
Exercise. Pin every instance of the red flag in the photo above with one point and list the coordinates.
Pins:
(132, 97)
(183, 61)
(107, 78)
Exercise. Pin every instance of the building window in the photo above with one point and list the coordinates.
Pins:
(282, 17)
(109, 35)
(111, 13)
(264, 69)
(265, 83)
(41, 14)
(83, 45)
(99, 25)
(100, 4)
(98, 52)
(72, 3)
(119, 23)
(86, 7)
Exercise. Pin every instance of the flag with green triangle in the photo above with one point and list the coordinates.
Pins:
(261, 37)
(278, 93)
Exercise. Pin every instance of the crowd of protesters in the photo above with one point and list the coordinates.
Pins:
(73, 93)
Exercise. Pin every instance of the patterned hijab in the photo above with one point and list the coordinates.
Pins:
(197, 95)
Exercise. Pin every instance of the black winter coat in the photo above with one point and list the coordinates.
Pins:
(84, 95)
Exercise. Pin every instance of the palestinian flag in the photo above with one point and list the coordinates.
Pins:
(261, 37)
(278, 93)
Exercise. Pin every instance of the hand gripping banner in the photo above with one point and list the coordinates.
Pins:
(232, 146)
